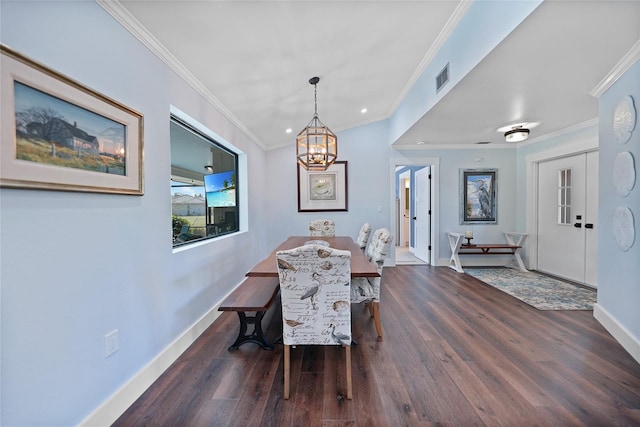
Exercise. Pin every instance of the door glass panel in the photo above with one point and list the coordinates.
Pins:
(564, 196)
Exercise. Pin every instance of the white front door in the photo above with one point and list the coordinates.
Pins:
(567, 217)
(422, 218)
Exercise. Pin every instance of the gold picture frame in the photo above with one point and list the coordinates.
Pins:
(323, 191)
(57, 134)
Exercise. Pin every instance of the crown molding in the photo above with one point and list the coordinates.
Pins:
(129, 22)
(502, 145)
(627, 61)
(565, 131)
(448, 28)
(423, 147)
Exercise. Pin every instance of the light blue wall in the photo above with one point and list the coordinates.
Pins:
(619, 271)
(479, 31)
(451, 161)
(75, 266)
(369, 182)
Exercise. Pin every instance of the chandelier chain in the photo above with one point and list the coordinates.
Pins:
(315, 98)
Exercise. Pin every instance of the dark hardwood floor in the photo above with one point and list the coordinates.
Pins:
(455, 352)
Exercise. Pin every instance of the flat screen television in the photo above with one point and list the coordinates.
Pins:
(220, 189)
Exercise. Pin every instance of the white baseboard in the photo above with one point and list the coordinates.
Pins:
(107, 413)
(618, 331)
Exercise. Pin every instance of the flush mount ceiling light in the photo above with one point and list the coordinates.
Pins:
(517, 132)
(516, 135)
(316, 145)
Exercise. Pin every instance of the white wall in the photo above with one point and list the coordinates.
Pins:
(75, 266)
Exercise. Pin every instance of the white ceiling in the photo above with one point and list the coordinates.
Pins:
(254, 60)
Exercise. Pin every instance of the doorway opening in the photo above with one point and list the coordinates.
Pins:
(414, 211)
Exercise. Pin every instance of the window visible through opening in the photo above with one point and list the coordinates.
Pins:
(204, 200)
(564, 196)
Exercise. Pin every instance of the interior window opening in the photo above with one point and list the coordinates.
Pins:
(204, 197)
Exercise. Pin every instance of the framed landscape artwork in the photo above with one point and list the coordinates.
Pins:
(57, 134)
(478, 196)
(323, 190)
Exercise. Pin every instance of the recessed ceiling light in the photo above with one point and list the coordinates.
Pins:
(483, 142)
(364, 110)
(289, 130)
(420, 142)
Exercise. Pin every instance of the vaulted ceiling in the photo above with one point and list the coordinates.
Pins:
(254, 60)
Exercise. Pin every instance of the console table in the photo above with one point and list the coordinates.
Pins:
(515, 241)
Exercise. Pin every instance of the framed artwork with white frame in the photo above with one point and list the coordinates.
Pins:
(323, 191)
(57, 134)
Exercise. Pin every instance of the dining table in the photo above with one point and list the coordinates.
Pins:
(360, 265)
(255, 295)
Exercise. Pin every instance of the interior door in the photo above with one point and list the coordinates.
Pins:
(422, 218)
(567, 202)
(403, 237)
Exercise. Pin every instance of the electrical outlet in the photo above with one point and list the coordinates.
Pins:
(111, 343)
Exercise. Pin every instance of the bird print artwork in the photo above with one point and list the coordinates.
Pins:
(326, 265)
(339, 337)
(341, 306)
(284, 267)
(310, 292)
(293, 323)
(323, 253)
(315, 294)
(484, 198)
(479, 203)
(313, 290)
(284, 264)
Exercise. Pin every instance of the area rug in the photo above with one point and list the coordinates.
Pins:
(537, 290)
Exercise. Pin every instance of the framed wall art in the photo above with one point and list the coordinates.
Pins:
(323, 190)
(56, 134)
(478, 203)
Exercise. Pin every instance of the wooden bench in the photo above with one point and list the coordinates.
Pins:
(255, 294)
(515, 241)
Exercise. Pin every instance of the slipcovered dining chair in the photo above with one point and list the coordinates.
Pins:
(363, 236)
(322, 227)
(314, 288)
(367, 289)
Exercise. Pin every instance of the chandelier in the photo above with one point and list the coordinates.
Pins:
(316, 145)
